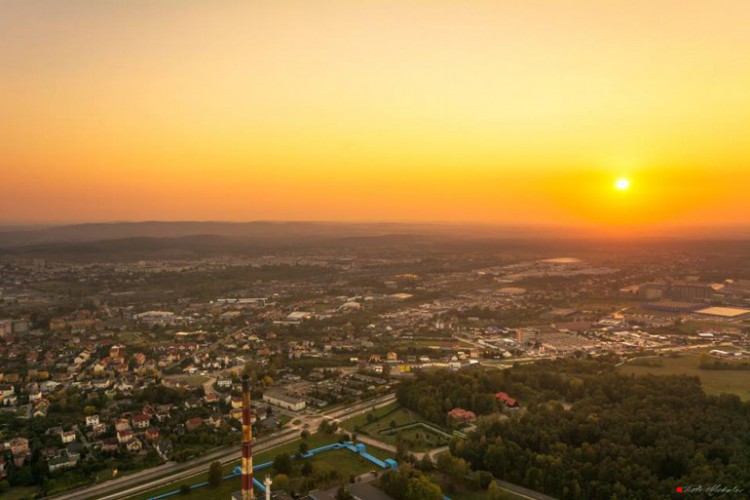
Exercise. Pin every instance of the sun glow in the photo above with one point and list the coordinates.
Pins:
(622, 184)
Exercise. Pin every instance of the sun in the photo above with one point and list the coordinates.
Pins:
(622, 184)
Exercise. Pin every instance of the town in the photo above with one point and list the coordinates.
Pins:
(112, 367)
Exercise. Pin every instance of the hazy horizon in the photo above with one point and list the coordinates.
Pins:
(105, 230)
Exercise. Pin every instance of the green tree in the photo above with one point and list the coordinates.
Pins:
(185, 489)
(343, 494)
(282, 464)
(307, 469)
(426, 463)
(325, 427)
(24, 477)
(485, 479)
(281, 482)
(421, 488)
(303, 448)
(496, 493)
(214, 475)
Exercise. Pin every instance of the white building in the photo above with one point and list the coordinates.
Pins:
(284, 400)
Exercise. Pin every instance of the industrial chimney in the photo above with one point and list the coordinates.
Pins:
(247, 442)
(268, 484)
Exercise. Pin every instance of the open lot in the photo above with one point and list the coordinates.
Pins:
(713, 381)
(418, 439)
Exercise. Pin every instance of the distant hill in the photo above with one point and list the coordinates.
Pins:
(157, 240)
(260, 230)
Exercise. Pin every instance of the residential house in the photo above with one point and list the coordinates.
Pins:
(508, 401)
(152, 434)
(193, 423)
(62, 462)
(215, 420)
(68, 436)
(110, 445)
(19, 448)
(98, 429)
(122, 424)
(461, 415)
(41, 407)
(125, 436)
(8, 395)
(141, 422)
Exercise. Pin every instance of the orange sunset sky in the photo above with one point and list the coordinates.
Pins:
(523, 112)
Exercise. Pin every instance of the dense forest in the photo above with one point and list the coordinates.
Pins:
(586, 432)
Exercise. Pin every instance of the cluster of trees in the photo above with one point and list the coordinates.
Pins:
(327, 426)
(409, 484)
(616, 437)
(434, 393)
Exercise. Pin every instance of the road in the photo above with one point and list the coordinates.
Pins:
(523, 492)
(171, 472)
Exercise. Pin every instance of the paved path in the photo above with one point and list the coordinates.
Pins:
(377, 444)
(523, 492)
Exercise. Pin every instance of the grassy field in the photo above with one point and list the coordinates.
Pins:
(418, 439)
(344, 461)
(130, 337)
(20, 493)
(713, 381)
(361, 420)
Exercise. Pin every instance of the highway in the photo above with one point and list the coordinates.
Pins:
(172, 472)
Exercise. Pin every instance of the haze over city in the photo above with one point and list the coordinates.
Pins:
(479, 111)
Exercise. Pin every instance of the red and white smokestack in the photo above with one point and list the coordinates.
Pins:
(247, 442)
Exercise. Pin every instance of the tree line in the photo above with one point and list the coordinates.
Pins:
(588, 432)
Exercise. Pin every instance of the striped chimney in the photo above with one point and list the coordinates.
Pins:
(247, 442)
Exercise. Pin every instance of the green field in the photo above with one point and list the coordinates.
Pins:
(713, 381)
(129, 337)
(417, 439)
(345, 462)
(20, 493)
(361, 420)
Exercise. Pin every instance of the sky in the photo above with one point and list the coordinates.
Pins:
(418, 110)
